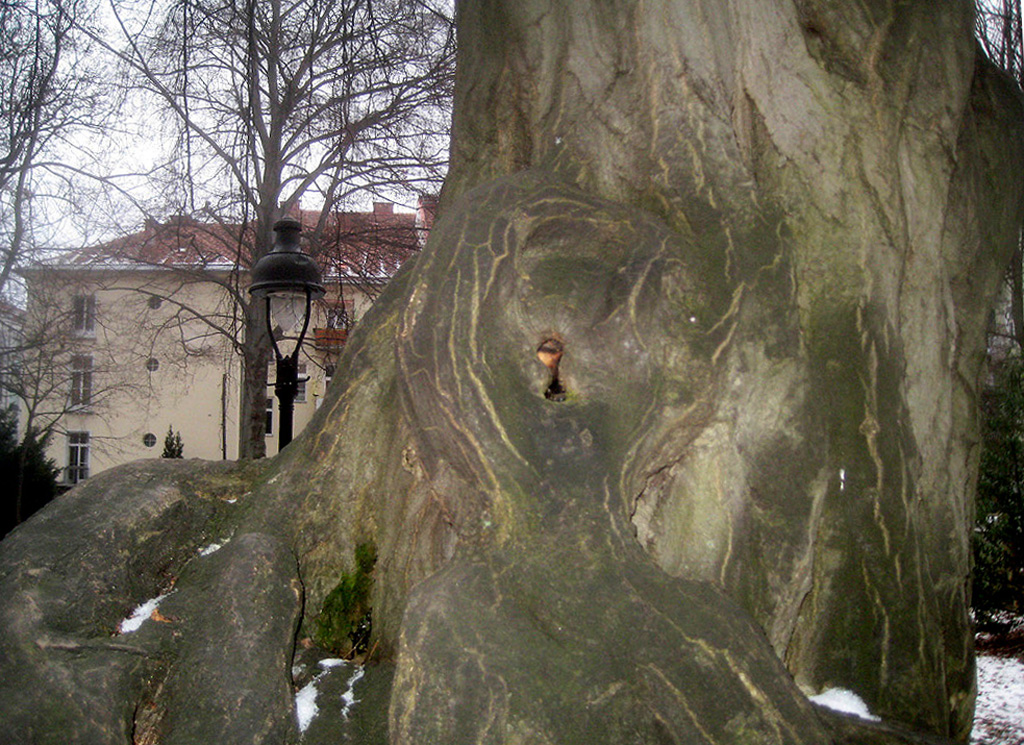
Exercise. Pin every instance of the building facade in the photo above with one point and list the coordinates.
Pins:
(138, 338)
(11, 321)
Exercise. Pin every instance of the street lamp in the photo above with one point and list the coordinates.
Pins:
(289, 280)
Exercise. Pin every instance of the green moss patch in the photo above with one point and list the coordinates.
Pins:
(345, 620)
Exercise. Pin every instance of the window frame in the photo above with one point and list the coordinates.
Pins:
(79, 446)
(82, 370)
(83, 315)
(300, 390)
(337, 317)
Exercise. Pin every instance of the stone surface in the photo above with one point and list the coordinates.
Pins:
(70, 576)
(233, 619)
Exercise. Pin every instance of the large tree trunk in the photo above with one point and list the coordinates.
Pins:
(255, 344)
(672, 423)
(256, 357)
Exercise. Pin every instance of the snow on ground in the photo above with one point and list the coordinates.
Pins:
(140, 615)
(848, 702)
(348, 698)
(306, 707)
(999, 718)
(999, 715)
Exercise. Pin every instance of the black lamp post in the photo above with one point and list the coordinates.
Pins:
(289, 280)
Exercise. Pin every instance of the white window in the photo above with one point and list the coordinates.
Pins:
(328, 376)
(84, 315)
(300, 392)
(81, 381)
(337, 317)
(78, 457)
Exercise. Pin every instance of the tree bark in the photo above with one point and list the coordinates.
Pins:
(756, 243)
(824, 159)
(256, 357)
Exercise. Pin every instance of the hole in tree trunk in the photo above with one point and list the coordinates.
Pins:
(550, 353)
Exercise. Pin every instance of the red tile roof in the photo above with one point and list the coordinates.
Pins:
(363, 245)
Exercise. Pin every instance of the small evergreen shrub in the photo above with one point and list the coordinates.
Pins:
(30, 477)
(173, 445)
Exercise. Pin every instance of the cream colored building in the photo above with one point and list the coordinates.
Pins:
(140, 333)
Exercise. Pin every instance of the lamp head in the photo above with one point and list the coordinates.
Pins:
(286, 270)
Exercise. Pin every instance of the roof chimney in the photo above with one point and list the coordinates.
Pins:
(426, 211)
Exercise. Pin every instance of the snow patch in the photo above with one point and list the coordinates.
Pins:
(305, 705)
(329, 662)
(206, 551)
(140, 615)
(348, 698)
(999, 717)
(847, 702)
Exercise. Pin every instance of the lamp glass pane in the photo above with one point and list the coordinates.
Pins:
(288, 310)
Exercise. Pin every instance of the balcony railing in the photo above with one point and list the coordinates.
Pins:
(328, 339)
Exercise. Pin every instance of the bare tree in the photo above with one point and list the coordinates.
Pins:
(44, 100)
(273, 103)
(998, 29)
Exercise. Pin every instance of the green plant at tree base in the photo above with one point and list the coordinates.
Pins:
(999, 528)
(174, 447)
(345, 620)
